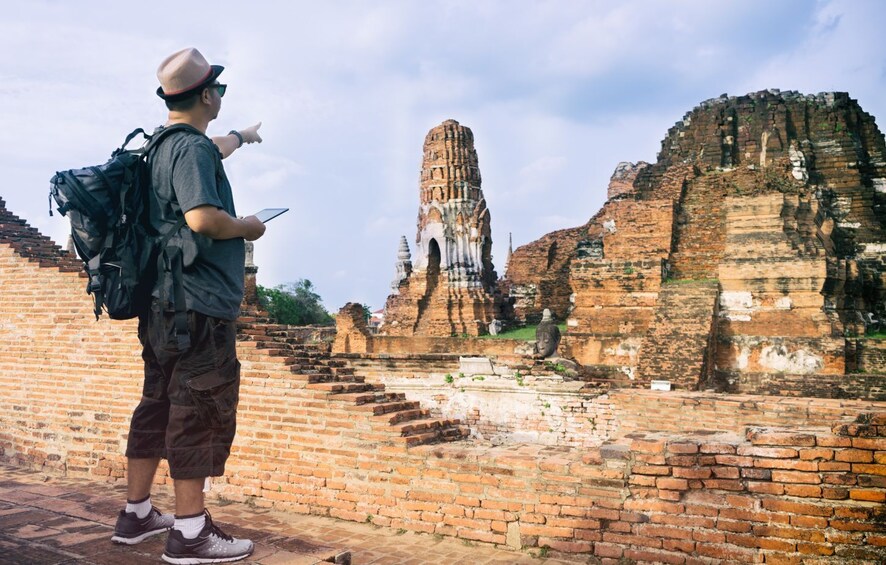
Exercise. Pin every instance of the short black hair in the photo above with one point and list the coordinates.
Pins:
(184, 104)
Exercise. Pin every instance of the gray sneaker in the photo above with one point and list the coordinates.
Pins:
(210, 546)
(131, 529)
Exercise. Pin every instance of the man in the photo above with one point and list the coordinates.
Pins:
(187, 413)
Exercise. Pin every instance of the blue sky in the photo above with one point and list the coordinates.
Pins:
(557, 94)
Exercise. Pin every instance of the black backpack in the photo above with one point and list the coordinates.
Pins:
(108, 208)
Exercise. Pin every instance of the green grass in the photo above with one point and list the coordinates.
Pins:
(879, 334)
(526, 333)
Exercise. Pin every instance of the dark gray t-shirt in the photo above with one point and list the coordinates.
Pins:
(186, 172)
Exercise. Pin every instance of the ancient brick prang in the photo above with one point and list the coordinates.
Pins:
(775, 198)
(450, 285)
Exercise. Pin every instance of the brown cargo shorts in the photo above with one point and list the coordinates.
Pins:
(188, 410)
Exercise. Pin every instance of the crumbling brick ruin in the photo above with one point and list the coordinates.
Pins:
(448, 289)
(466, 437)
(748, 258)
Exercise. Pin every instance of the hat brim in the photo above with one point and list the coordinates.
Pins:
(215, 70)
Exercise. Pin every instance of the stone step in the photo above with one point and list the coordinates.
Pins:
(420, 426)
(309, 377)
(335, 388)
(435, 436)
(392, 418)
(359, 398)
(380, 408)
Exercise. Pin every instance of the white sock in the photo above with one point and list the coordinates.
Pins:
(141, 509)
(190, 527)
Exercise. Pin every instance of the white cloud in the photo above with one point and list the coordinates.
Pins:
(556, 92)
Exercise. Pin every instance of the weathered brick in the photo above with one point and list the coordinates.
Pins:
(863, 468)
(654, 556)
(854, 455)
(803, 491)
(725, 472)
(797, 507)
(752, 516)
(871, 444)
(780, 438)
(610, 550)
(691, 472)
(629, 540)
(868, 495)
(667, 483)
(739, 526)
(816, 453)
(832, 493)
(648, 446)
(723, 484)
(708, 536)
(717, 448)
(834, 466)
(682, 448)
(734, 460)
(788, 464)
(788, 533)
(651, 469)
(727, 552)
(801, 521)
(807, 548)
(775, 452)
(766, 488)
(779, 476)
(756, 474)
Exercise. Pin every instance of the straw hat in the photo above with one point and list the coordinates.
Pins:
(183, 73)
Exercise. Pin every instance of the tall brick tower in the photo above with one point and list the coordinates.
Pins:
(450, 289)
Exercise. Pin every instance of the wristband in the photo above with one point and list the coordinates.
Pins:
(239, 137)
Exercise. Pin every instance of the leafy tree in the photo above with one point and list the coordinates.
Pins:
(294, 304)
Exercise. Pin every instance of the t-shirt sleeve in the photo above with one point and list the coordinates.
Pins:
(194, 177)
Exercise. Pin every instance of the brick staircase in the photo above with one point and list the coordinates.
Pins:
(677, 346)
(385, 417)
(700, 230)
(801, 224)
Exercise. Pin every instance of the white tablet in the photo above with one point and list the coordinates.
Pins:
(269, 214)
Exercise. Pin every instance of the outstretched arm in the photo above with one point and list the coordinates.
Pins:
(227, 144)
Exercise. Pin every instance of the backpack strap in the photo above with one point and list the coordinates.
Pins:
(170, 260)
(155, 139)
(170, 257)
(94, 287)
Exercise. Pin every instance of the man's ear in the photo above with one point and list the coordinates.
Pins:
(206, 96)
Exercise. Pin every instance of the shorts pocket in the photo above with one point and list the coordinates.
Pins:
(215, 396)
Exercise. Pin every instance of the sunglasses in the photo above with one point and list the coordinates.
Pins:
(220, 87)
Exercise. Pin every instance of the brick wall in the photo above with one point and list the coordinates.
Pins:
(538, 275)
(312, 439)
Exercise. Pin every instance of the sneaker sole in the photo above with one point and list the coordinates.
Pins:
(199, 560)
(138, 539)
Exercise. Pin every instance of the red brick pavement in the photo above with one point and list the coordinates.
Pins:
(51, 520)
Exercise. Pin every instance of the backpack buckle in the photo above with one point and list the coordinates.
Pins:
(95, 284)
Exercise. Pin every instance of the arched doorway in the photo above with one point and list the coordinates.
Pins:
(433, 261)
(433, 278)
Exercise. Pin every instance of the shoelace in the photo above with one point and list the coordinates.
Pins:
(215, 530)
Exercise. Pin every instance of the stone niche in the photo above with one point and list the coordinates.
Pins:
(448, 288)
